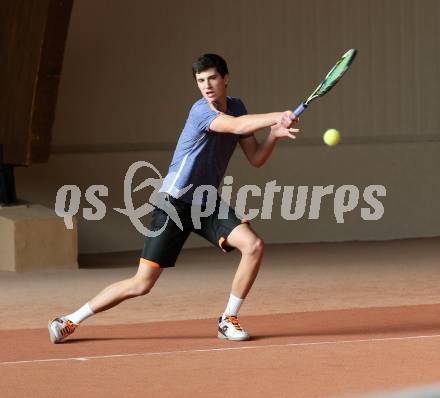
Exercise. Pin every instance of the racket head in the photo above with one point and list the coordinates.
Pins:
(334, 75)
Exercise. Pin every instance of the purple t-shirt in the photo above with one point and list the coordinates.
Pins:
(201, 155)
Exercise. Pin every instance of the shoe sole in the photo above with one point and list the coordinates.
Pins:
(223, 337)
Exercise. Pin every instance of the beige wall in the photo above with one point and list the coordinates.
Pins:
(126, 89)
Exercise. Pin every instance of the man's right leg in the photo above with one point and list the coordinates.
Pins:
(139, 285)
(160, 251)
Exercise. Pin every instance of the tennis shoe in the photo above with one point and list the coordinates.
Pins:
(229, 329)
(60, 328)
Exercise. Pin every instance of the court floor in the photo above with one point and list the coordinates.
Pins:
(327, 320)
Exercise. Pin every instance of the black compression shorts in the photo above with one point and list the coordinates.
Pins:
(162, 251)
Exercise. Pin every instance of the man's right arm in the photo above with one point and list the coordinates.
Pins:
(249, 123)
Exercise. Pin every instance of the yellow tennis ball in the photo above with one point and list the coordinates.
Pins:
(332, 137)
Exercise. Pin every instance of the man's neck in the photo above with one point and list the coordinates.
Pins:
(222, 104)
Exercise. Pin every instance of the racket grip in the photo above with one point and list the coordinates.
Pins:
(298, 110)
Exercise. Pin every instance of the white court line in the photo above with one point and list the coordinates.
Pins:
(253, 347)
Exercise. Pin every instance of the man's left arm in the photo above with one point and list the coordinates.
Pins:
(258, 153)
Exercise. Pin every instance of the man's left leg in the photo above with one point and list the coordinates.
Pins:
(251, 247)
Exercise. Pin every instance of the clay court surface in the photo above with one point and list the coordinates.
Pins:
(328, 320)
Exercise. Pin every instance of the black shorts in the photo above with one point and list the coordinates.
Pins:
(161, 251)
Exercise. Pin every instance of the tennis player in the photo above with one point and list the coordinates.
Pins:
(215, 125)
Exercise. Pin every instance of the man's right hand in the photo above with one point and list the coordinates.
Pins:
(286, 121)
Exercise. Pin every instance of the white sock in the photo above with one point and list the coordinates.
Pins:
(82, 314)
(234, 305)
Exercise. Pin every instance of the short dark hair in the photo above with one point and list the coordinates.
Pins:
(207, 61)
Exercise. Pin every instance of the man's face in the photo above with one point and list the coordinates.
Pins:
(211, 84)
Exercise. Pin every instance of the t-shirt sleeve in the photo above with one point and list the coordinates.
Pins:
(202, 116)
(243, 111)
(241, 108)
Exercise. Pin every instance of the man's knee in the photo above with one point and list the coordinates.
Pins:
(141, 287)
(144, 280)
(253, 246)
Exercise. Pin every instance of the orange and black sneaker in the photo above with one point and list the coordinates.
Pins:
(60, 328)
(229, 329)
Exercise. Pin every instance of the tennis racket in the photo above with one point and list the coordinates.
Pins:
(330, 80)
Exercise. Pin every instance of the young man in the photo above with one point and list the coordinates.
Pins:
(216, 123)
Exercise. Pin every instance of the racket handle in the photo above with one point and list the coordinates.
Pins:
(298, 110)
